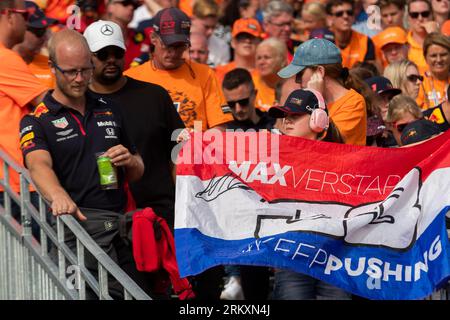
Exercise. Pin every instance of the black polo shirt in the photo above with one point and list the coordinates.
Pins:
(72, 141)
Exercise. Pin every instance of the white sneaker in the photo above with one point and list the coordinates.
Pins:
(232, 289)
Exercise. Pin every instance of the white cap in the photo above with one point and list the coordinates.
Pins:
(101, 34)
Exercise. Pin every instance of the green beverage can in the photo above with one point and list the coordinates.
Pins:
(107, 172)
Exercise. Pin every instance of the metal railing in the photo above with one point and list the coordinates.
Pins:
(27, 269)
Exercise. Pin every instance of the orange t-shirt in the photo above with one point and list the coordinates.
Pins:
(17, 88)
(433, 91)
(415, 54)
(265, 97)
(194, 91)
(355, 51)
(349, 115)
(40, 68)
(56, 9)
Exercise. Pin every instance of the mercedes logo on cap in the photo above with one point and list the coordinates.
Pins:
(107, 30)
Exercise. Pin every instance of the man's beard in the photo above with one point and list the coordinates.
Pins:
(109, 79)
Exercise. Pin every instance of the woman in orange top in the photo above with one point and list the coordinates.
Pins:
(436, 49)
(270, 58)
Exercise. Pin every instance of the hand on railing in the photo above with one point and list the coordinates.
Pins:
(63, 204)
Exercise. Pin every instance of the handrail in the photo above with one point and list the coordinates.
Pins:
(83, 240)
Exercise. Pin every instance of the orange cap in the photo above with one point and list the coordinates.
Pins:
(445, 29)
(392, 35)
(250, 26)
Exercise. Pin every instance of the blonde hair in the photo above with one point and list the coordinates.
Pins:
(401, 104)
(279, 47)
(396, 72)
(316, 9)
(205, 8)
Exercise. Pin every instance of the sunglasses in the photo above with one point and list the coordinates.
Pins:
(104, 54)
(38, 32)
(339, 14)
(242, 102)
(423, 14)
(23, 12)
(414, 78)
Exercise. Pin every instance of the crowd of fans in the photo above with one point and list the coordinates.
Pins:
(377, 72)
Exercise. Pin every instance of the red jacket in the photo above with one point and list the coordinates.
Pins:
(154, 248)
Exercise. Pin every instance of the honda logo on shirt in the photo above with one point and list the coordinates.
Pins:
(110, 131)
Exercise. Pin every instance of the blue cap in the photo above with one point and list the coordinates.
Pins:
(312, 53)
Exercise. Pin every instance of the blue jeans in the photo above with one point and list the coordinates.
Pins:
(290, 285)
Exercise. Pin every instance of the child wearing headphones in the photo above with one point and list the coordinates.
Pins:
(304, 114)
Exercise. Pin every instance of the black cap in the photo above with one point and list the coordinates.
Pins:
(419, 130)
(321, 33)
(382, 85)
(37, 18)
(172, 25)
(299, 101)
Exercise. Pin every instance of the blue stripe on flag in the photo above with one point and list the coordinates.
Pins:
(312, 254)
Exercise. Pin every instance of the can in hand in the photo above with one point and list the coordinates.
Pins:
(107, 172)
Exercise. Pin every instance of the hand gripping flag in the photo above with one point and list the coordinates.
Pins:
(368, 220)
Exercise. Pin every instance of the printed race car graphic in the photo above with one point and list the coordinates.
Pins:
(359, 225)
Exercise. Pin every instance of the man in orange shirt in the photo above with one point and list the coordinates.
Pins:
(354, 46)
(18, 87)
(420, 20)
(192, 86)
(391, 46)
(35, 37)
(246, 35)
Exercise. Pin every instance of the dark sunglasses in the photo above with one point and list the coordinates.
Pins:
(38, 32)
(242, 103)
(415, 15)
(414, 78)
(104, 54)
(339, 14)
(23, 12)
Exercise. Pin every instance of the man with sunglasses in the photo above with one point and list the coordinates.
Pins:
(35, 37)
(354, 46)
(20, 90)
(240, 93)
(251, 282)
(121, 12)
(148, 113)
(192, 86)
(421, 23)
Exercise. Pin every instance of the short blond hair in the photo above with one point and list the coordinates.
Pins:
(279, 47)
(316, 9)
(401, 104)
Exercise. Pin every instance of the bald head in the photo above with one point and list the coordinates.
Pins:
(68, 43)
(198, 49)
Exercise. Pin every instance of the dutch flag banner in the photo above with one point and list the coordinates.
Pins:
(369, 220)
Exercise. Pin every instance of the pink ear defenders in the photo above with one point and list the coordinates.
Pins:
(319, 120)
